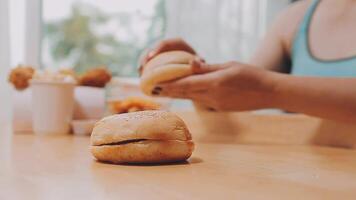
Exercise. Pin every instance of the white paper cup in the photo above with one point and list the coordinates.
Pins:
(52, 106)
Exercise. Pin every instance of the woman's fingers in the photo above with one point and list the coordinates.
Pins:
(196, 65)
(200, 67)
(186, 87)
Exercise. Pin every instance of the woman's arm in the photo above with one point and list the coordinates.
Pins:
(331, 98)
(235, 86)
(274, 51)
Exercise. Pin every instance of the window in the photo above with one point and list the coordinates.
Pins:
(89, 33)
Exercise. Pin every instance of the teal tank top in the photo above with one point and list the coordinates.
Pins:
(305, 64)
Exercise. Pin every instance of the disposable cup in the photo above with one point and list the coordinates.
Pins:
(52, 106)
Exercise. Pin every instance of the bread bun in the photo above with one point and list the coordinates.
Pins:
(164, 67)
(141, 137)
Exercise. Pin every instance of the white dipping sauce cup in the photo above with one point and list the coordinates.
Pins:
(52, 106)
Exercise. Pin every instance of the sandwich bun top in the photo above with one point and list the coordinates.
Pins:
(170, 57)
(148, 125)
(166, 66)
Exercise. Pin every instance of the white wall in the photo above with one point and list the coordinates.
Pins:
(17, 31)
(5, 90)
(222, 30)
(274, 7)
(33, 32)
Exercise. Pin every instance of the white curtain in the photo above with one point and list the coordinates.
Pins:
(5, 90)
(221, 30)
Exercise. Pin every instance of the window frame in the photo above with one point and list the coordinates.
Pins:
(33, 30)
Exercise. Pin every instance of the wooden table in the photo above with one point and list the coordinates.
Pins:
(61, 167)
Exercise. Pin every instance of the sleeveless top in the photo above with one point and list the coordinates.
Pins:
(305, 64)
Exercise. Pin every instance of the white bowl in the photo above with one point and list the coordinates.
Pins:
(83, 127)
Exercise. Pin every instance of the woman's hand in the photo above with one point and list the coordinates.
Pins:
(237, 87)
(175, 44)
(230, 86)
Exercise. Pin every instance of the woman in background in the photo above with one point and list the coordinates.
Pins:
(314, 41)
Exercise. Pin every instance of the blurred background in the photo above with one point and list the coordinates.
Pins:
(87, 33)
(84, 34)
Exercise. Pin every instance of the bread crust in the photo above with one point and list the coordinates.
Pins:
(148, 151)
(163, 74)
(141, 137)
(170, 57)
(165, 67)
(155, 125)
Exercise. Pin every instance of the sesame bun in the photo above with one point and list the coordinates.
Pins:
(141, 137)
(165, 67)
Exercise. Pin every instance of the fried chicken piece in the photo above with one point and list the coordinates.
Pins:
(20, 76)
(116, 108)
(132, 104)
(97, 77)
(140, 103)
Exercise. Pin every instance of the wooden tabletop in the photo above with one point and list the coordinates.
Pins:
(61, 167)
